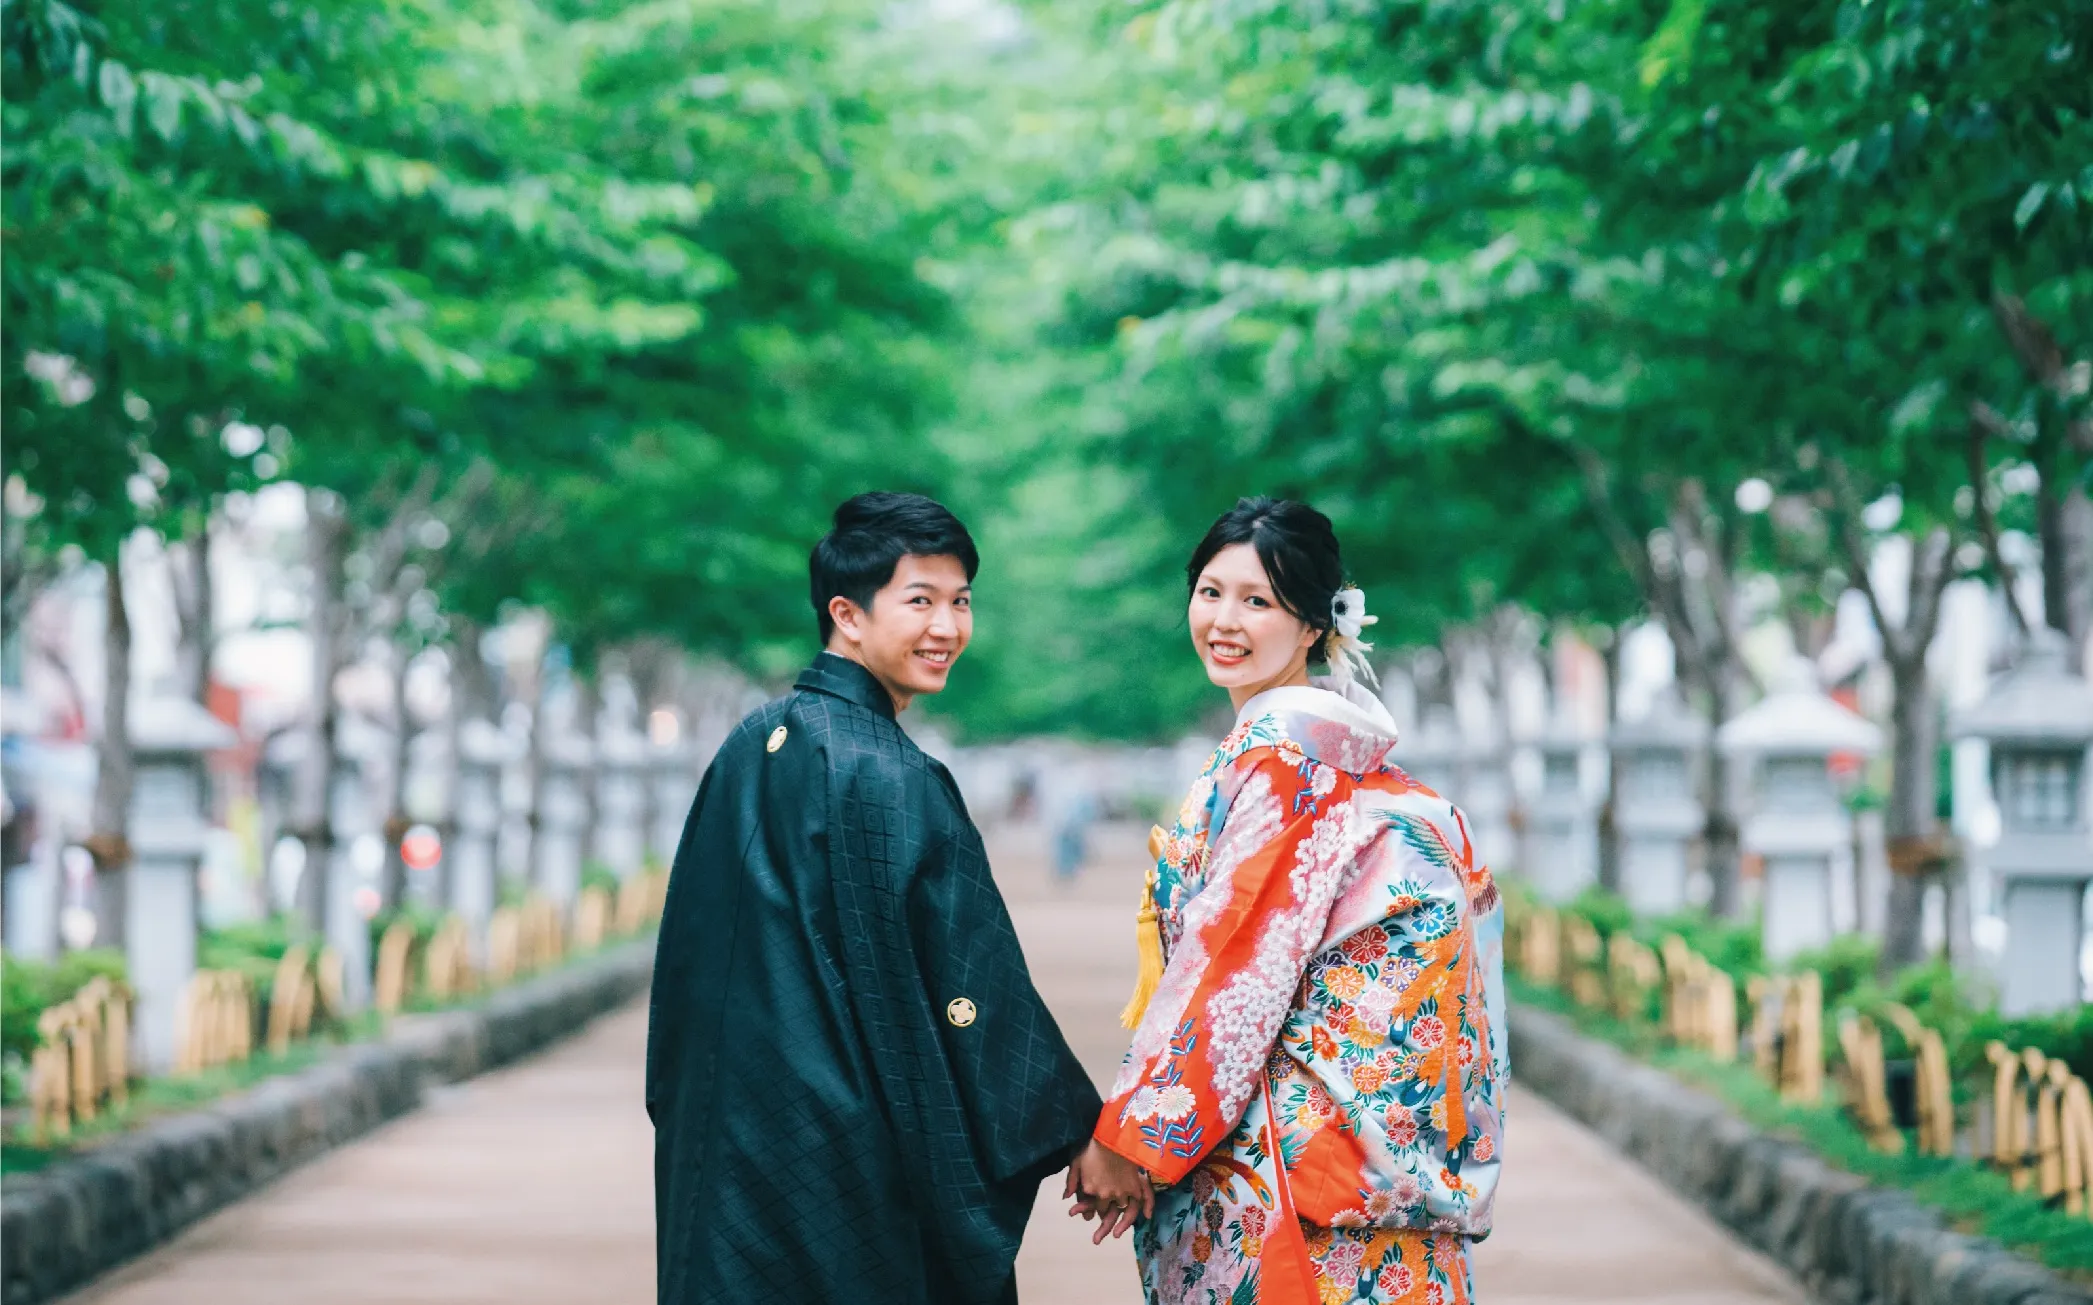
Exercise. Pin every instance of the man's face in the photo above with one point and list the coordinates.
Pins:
(915, 629)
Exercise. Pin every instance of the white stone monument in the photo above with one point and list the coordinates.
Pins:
(515, 843)
(476, 818)
(30, 888)
(1561, 847)
(1485, 797)
(169, 737)
(621, 801)
(672, 786)
(2038, 721)
(355, 863)
(563, 817)
(1798, 826)
(1433, 756)
(1656, 812)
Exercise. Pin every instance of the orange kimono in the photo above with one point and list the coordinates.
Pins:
(1319, 1076)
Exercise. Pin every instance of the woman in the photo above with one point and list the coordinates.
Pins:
(1317, 1080)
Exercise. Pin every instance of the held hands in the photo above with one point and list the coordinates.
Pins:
(1108, 1187)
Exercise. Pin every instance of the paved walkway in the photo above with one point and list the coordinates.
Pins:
(532, 1186)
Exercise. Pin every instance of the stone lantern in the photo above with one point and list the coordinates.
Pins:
(563, 817)
(1656, 810)
(1432, 754)
(672, 786)
(30, 878)
(1485, 796)
(2038, 721)
(169, 737)
(349, 891)
(1798, 825)
(1560, 855)
(621, 801)
(476, 817)
(515, 843)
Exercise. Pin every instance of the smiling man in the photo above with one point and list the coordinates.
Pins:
(855, 1088)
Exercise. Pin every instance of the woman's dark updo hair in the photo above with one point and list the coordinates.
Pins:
(1298, 548)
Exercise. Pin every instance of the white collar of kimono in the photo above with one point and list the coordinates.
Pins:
(1353, 707)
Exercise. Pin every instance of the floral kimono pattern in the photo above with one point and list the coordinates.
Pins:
(1319, 1077)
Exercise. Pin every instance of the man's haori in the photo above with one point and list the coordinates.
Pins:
(855, 1088)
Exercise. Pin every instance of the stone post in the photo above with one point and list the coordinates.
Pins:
(29, 896)
(515, 843)
(1561, 851)
(169, 737)
(1656, 814)
(2038, 721)
(476, 817)
(355, 864)
(563, 818)
(1485, 796)
(672, 787)
(1797, 826)
(1433, 756)
(31, 883)
(621, 802)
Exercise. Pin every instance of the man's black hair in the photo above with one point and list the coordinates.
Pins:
(869, 537)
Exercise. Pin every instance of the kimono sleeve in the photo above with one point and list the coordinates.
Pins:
(1249, 932)
(1450, 922)
(980, 1093)
(1029, 1103)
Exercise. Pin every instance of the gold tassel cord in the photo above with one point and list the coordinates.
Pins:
(1148, 940)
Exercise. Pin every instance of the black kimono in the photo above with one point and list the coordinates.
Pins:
(855, 1089)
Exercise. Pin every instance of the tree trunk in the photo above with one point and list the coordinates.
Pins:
(2064, 443)
(540, 741)
(471, 698)
(393, 887)
(589, 713)
(327, 530)
(2064, 518)
(1909, 820)
(109, 839)
(195, 601)
(1609, 831)
(1721, 836)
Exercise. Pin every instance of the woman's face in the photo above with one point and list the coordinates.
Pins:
(1247, 640)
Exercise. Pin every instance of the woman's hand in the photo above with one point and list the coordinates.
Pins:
(1107, 1186)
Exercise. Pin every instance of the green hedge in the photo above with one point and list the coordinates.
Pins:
(1973, 1198)
(1960, 1007)
(28, 989)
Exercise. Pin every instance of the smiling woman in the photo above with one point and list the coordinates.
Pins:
(1326, 1023)
(1263, 583)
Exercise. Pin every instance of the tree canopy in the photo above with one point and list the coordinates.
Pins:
(1588, 310)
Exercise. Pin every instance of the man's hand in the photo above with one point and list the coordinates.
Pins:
(1106, 1186)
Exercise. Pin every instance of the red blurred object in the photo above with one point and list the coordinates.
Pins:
(422, 848)
(1847, 695)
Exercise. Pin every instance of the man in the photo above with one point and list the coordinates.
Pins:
(855, 1089)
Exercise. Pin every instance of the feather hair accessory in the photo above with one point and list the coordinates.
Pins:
(1347, 650)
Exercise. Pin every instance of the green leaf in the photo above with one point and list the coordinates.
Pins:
(1917, 408)
(2030, 204)
(163, 105)
(1670, 50)
(119, 91)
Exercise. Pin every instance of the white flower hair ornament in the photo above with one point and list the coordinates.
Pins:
(1347, 651)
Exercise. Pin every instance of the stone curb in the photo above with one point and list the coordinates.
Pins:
(1849, 1243)
(65, 1225)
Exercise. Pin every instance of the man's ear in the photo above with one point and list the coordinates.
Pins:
(849, 618)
